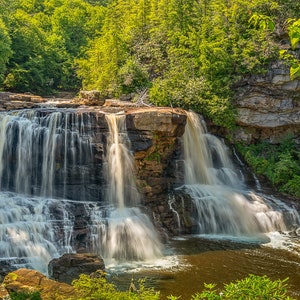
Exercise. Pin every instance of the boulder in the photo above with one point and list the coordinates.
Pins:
(29, 281)
(91, 97)
(165, 121)
(69, 266)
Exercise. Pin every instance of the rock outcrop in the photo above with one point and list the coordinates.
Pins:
(69, 266)
(29, 281)
(268, 107)
(11, 101)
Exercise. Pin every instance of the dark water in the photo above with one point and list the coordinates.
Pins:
(202, 260)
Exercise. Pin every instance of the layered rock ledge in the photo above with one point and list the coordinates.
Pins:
(268, 106)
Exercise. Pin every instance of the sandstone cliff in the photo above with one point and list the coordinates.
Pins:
(268, 106)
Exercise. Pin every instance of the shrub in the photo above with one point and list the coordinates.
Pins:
(280, 164)
(252, 287)
(90, 288)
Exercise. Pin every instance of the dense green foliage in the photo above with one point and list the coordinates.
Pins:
(294, 34)
(40, 40)
(94, 288)
(279, 163)
(185, 53)
(252, 287)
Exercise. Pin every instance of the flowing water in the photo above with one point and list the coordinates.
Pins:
(39, 152)
(224, 205)
(239, 230)
(128, 234)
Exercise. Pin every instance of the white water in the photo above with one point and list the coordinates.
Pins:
(28, 236)
(223, 206)
(37, 150)
(122, 189)
(128, 234)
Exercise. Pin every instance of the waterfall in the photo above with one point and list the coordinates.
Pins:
(39, 150)
(126, 234)
(33, 230)
(42, 154)
(120, 165)
(222, 203)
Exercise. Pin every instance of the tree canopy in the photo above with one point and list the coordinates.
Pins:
(186, 53)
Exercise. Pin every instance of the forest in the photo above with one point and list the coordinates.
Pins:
(185, 53)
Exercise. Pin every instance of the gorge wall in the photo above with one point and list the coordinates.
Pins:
(268, 106)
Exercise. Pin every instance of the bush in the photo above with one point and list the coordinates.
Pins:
(252, 287)
(90, 288)
(280, 164)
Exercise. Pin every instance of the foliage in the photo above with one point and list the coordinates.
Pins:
(5, 49)
(186, 53)
(279, 163)
(252, 287)
(291, 59)
(43, 39)
(90, 288)
(25, 296)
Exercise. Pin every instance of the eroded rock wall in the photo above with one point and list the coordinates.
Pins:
(268, 106)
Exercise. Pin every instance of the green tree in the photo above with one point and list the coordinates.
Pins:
(290, 58)
(5, 50)
(106, 53)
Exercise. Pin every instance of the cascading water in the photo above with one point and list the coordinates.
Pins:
(29, 231)
(127, 234)
(47, 161)
(224, 206)
(39, 150)
(42, 154)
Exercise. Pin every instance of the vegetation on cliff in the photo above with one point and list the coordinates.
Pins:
(280, 164)
(186, 53)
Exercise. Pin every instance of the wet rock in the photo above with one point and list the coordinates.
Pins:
(17, 104)
(69, 266)
(5, 268)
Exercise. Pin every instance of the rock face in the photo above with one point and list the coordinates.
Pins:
(10, 101)
(91, 98)
(69, 266)
(25, 280)
(268, 106)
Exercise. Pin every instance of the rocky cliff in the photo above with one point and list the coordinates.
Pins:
(268, 106)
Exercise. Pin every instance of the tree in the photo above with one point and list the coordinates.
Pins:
(5, 50)
(290, 58)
